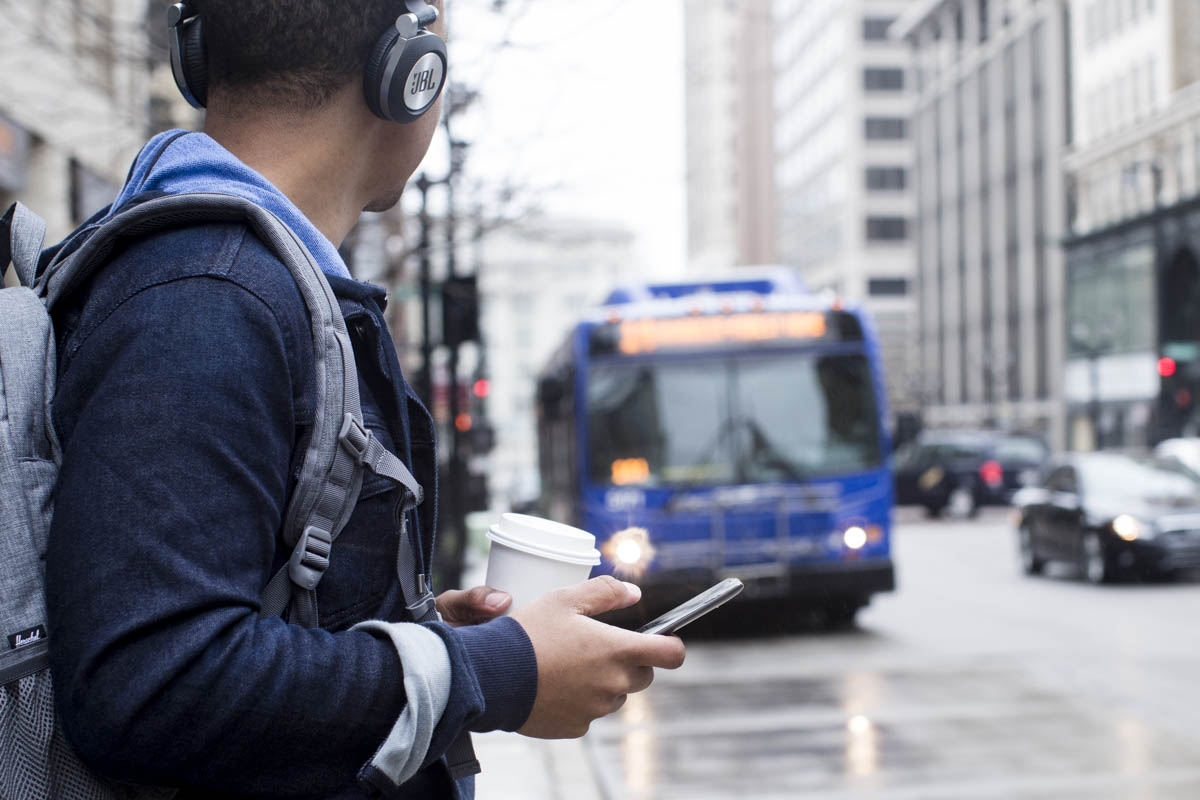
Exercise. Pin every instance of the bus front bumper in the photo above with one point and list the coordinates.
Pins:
(805, 581)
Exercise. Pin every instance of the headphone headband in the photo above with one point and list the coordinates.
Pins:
(188, 60)
(405, 73)
(426, 14)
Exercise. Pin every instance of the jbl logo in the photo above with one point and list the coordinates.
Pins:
(422, 82)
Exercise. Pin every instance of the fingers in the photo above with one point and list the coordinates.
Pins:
(641, 679)
(598, 595)
(654, 650)
(489, 601)
(476, 605)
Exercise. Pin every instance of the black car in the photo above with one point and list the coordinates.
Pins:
(1112, 515)
(961, 470)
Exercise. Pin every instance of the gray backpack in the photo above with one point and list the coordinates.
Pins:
(35, 760)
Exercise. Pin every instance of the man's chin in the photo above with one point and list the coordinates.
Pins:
(384, 203)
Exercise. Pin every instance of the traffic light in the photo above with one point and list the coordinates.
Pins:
(460, 310)
(483, 437)
(1178, 382)
(475, 494)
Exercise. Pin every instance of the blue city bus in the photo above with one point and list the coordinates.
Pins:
(734, 428)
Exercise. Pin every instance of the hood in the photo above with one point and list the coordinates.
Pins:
(178, 161)
(1146, 508)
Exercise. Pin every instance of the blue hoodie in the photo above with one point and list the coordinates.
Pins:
(179, 161)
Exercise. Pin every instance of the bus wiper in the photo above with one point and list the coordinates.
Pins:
(763, 445)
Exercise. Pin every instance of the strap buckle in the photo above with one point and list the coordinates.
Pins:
(310, 557)
(355, 438)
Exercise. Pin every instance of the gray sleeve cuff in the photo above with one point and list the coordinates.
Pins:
(426, 666)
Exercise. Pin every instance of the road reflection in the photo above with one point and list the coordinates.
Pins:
(861, 695)
(862, 747)
(639, 750)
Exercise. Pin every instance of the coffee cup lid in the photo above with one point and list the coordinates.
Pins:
(546, 538)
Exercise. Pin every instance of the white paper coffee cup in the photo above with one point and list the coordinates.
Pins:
(529, 556)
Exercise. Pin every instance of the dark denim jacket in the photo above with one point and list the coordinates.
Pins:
(185, 393)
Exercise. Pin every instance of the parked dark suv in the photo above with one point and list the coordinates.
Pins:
(960, 470)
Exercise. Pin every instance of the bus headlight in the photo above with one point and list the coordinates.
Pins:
(629, 551)
(1127, 527)
(855, 537)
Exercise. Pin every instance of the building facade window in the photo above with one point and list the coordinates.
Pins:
(883, 128)
(887, 229)
(875, 29)
(887, 287)
(883, 79)
(887, 179)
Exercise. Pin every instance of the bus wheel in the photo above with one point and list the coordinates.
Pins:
(841, 613)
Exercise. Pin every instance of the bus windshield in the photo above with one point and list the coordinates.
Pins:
(734, 419)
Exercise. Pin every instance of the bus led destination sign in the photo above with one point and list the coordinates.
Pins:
(650, 335)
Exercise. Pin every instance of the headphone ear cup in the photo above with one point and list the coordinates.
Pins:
(373, 77)
(193, 57)
(405, 77)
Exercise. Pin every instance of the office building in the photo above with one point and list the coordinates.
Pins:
(843, 164)
(730, 197)
(990, 125)
(74, 105)
(1132, 372)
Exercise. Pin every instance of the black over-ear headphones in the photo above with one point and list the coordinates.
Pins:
(405, 73)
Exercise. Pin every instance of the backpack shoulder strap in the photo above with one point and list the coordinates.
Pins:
(22, 234)
(340, 447)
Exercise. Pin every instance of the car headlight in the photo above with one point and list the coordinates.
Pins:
(1127, 527)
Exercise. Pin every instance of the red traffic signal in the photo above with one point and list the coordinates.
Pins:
(1166, 367)
(482, 388)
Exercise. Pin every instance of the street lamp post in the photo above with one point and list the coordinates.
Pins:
(425, 383)
(1085, 340)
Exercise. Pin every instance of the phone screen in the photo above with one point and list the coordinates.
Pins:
(695, 608)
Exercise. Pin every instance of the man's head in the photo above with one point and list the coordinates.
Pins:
(297, 53)
(291, 62)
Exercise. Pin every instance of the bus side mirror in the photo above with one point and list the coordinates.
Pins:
(551, 392)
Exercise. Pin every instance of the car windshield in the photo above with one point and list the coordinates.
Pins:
(732, 420)
(1020, 450)
(1121, 476)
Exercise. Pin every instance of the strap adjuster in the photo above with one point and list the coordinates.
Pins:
(355, 438)
(310, 557)
(425, 608)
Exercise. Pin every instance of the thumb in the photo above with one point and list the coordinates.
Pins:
(486, 600)
(598, 595)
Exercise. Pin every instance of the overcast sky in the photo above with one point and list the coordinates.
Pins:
(581, 106)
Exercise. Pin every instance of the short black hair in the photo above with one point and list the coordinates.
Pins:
(294, 51)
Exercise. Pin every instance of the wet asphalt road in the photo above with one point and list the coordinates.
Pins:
(970, 681)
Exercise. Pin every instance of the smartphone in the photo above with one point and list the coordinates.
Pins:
(695, 608)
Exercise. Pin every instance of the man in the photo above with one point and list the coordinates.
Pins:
(185, 396)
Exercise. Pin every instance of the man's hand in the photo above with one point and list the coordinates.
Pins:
(586, 668)
(472, 607)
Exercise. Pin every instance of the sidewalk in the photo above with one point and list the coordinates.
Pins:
(518, 768)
